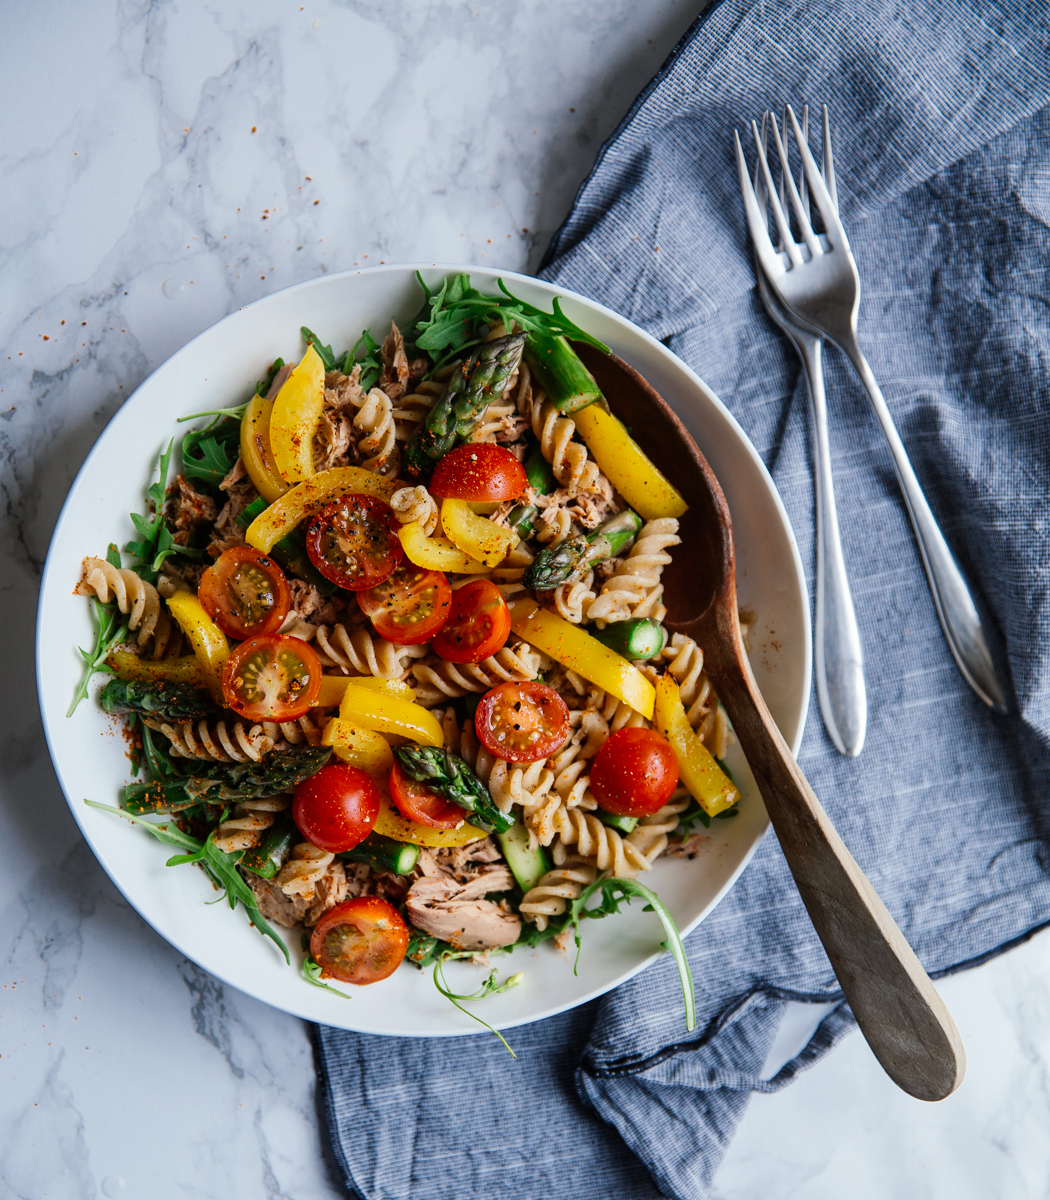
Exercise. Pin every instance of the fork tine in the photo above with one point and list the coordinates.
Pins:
(792, 249)
(825, 205)
(810, 237)
(757, 219)
(827, 166)
(803, 188)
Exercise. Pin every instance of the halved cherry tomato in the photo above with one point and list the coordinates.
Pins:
(634, 773)
(271, 678)
(360, 941)
(410, 606)
(478, 471)
(353, 541)
(416, 802)
(522, 722)
(336, 808)
(245, 593)
(478, 624)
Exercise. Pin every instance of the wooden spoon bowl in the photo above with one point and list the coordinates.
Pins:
(904, 1020)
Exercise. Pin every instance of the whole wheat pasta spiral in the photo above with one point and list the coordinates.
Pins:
(137, 599)
(362, 652)
(301, 872)
(599, 843)
(635, 588)
(569, 460)
(306, 731)
(649, 836)
(375, 418)
(549, 897)
(685, 661)
(416, 504)
(570, 785)
(572, 600)
(554, 526)
(412, 409)
(508, 783)
(218, 741)
(439, 680)
(250, 819)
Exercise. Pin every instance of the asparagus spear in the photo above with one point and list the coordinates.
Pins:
(473, 386)
(175, 701)
(449, 776)
(639, 638)
(560, 372)
(385, 854)
(540, 473)
(573, 557)
(274, 850)
(621, 824)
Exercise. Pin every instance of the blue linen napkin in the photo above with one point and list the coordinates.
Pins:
(942, 138)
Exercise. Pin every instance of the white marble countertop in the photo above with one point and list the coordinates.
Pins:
(164, 163)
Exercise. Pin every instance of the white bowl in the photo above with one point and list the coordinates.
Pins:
(218, 369)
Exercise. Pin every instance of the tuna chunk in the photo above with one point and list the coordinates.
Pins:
(274, 905)
(459, 914)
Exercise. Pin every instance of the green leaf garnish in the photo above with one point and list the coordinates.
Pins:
(489, 988)
(110, 630)
(616, 891)
(236, 413)
(324, 353)
(312, 974)
(206, 452)
(156, 542)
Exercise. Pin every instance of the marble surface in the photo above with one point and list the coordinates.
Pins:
(163, 163)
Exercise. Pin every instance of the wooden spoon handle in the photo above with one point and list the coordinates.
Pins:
(904, 1020)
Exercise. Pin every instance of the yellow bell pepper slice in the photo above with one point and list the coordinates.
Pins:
(187, 669)
(370, 751)
(626, 465)
(310, 497)
(713, 790)
(585, 655)
(359, 747)
(475, 536)
(255, 450)
(333, 687)
(436, 553)
(296, 413)
(390, 823)
(207, 639)
(390, 714)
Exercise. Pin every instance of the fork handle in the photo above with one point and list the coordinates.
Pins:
(955, 605)
(839, 658)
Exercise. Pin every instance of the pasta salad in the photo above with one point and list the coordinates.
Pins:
(389, 648)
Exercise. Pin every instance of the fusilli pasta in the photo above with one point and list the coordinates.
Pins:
(438, 680)
(416, 504)
(549, 897)
(634, 590)
(136, 598)
(300, 873)
(217, 741)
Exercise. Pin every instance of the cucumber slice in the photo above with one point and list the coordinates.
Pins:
(622, 824)
(385, 854)
(528, 866)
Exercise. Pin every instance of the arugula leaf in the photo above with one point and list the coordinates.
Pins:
(312, 974)
(236, 413)
(205, 451)
(156, 542)
(457, 308)
(616, 891)
(264, 385)
(220, 867)
(324, 353)
(109, 631)
(160, 765)
(370, 362)
(489, 988)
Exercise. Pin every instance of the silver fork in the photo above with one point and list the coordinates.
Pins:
(821, 290)
(839, 667)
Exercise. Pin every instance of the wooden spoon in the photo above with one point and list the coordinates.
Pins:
(896, 1006)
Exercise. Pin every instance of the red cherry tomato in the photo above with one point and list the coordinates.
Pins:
(271, 679)
(634, 773)
(416, 802)
(245, 593)
(336, 808)
(410, 606)
(478, 624)
(353, 542)
(360, 941)
(522, 722)
(478, 471)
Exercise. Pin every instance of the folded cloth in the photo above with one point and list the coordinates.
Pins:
(942, 141)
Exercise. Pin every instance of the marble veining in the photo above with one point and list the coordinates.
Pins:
(163, 163)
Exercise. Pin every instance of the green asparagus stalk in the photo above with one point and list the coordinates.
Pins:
(560, 372)
(451, 777)
(274, 850)
(639, 638)
(621, 824)
(174, 701)
(523, 518)
(571, 559)
(470, 390)
(248, 514)
(385, 854)
(540, 473)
